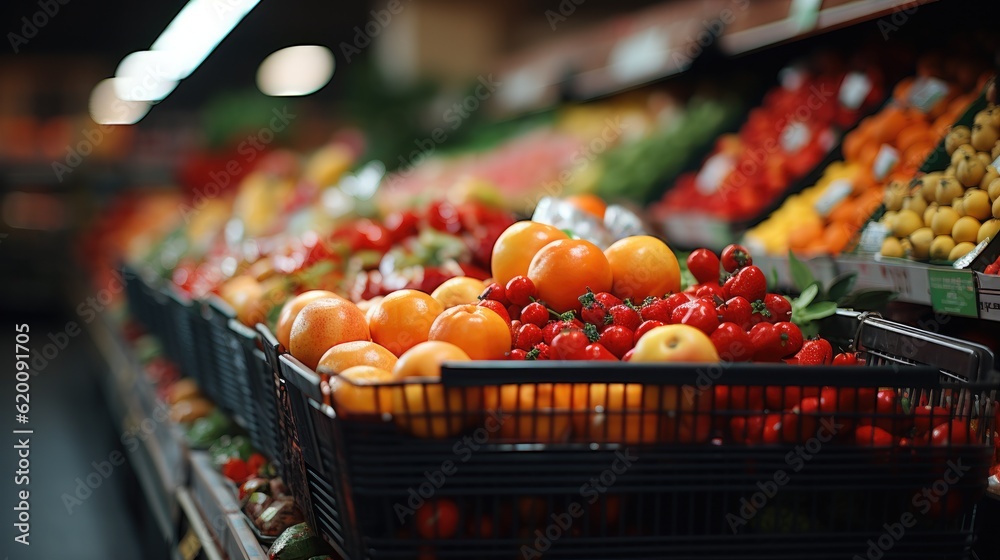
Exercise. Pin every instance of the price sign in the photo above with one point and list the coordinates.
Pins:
(713, 173)
(854, 89)
(926, 92)
(795, 136)
(953, 291)
(885, 161)
(190, 546)
(996, 164)
(872, 237)
(835, 192)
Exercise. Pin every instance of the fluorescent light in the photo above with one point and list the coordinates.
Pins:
(145, 76)
(297, 70)
(195, 32)
(107, 108)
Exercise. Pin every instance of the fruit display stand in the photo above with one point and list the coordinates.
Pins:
(671, 489)
(194, 506)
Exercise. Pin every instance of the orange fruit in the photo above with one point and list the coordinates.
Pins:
(889, 123)
(801, 236)
(837, 236)
(642, 266)
(458, 291)
(289, 311)
(916, 132)
(323, 324)
(362, 390)
(563, 270)
(401, 320)
(478, 331)
(589, 203)
(514, 249)
(427, 409)
(539, 410)
(357, 353)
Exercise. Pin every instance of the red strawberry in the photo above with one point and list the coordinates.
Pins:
(735, 257)
(710, 291)
(607, 300)
(535, 313)
(661, 309)
(596, 351)
(992, 269)
(617, 339)
(539, 352)
(736, 310)
(550, 331)
(594, 314)
(517, 354)
(624, 316)
(846, 359)
(732, 342)
(749, 282)
(570, 345)
(704, 266)
(779, 308)
(520, 290)
(772, 342)
(815, 352)
(699, 314)
(497, 307)
(644, 328)
(528, 336)
(495, 292)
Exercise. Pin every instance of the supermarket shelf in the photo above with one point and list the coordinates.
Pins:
(947, 290)
(182, 488)
(156, 476)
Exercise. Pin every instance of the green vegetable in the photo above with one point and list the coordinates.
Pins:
(227, 447)
(297, 542)
(206, 430)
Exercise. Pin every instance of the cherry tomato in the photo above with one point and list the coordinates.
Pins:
(927, 416)
(570, 345)
(401, 225)
(596, 351)
(734, 257)
(437, 519)
(704, 266)
(872, 436)
(955, 432)
(773, 427)
(888, 417)
(739, 397)
(802, 422)
(747, 430)
(784, 398)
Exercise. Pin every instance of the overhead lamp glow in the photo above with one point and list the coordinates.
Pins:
(196, 30)
(145, 76)
(294, 71)
(107, 108)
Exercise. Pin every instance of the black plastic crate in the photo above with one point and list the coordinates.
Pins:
(230, 380)
(262, 412)
(528, 487)
(285, 434)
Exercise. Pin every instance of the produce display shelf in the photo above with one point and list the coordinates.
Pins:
(156, 476)
(946, 290)
(180, 484)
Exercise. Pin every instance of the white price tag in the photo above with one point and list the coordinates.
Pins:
(795, 136)
(926, 92)
(872, 237)
(996, 164)
(835, 192)
(885, 161)
(854, 89)
(713, 173)
(792, 77)
(640, 55)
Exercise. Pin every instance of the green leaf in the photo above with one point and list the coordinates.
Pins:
(809, 329)
(842, 286)
(819, 310)
(801, 275)
(868, 299)
(807, 297)
(774, 276)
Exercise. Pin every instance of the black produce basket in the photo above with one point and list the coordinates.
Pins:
(262, 410)
(585, 460)
(285, 435)
(230, 380)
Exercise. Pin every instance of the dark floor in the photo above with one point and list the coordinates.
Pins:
(72, 430)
